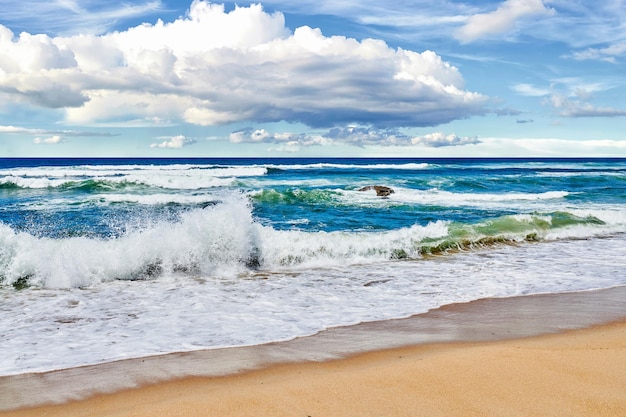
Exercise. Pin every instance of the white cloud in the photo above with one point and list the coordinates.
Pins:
(577, 87)
(364, 136)
(286, 140)
(350, 135)
(579, 108)
(53, 140)
(250, 136)
(175, 142)
(530, 90)
(17, 129)
(608, 54)
(502, 20)
(30, 131)
(247, 67)
(439, 139)
(571, 97)
(31, 53)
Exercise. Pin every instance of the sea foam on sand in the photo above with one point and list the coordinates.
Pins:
(479, 321)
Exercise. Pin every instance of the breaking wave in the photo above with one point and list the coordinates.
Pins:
(226, 239)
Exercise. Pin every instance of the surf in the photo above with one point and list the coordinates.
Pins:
(226, 239)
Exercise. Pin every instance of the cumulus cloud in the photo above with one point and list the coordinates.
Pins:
(363, 136)
(502, 20)
(251, 136)
(53, 140)
(175, 142)
(439, 139)
(360, 136)
(285, 139)
(248, 67)
(350, 135)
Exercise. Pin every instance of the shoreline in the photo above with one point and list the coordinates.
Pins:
(481, 324)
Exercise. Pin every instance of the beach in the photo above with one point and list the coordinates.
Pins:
(294, 209)
(260, 286)
(483, 358)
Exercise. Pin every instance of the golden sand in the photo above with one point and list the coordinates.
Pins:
(577, 373)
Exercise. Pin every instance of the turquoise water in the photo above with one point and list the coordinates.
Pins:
(144, 256)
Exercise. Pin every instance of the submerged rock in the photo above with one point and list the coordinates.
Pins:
(381, 190)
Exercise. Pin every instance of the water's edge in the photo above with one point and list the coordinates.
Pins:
(481, 320)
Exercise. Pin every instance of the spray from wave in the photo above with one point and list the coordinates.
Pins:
(226, 239)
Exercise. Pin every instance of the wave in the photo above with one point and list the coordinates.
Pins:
(326, 165)
(88, 178)
(110, 170)
(225, 239)
(338, 196)
(446, 198)
(295, 195)
(156, 199)
(174, 182)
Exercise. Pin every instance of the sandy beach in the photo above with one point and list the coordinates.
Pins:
(579, 372)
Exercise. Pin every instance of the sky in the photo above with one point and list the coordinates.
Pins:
(323, 78)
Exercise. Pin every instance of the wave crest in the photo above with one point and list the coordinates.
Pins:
(226, 239)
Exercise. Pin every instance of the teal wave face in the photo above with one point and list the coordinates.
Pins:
(84, 185)
(9, 185)
(511, 229)
(295, 196)
(91, 185)
(534, 222)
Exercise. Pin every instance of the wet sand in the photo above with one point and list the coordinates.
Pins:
(494, 357)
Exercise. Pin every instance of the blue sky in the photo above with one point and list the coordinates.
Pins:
(417, 78)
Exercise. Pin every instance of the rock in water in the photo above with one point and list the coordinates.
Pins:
(381, 190)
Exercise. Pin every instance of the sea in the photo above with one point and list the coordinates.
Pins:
(107, 259)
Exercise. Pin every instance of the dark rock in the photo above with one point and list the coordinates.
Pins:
(22, 282)
(381, 190)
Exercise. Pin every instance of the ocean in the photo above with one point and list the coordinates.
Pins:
(107, 259)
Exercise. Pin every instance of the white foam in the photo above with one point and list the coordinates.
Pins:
(50, 329)
(33, 182)
(155, 199)
(218, 238)
(223, 237)
(445, 198)
(322, 165)
(183, 177)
